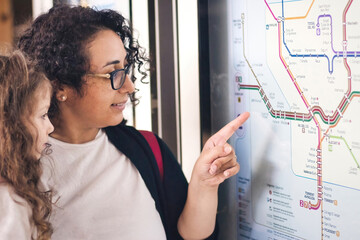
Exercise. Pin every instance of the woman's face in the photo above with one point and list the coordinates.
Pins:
(100, 106)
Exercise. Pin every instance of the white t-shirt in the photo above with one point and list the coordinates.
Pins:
(100, 193)
(15, 215)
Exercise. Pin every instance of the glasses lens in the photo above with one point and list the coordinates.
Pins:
(118, 79)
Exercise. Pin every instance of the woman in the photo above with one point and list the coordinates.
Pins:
(108, 183)
(24, 127)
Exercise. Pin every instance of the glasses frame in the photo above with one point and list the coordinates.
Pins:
(112, 74)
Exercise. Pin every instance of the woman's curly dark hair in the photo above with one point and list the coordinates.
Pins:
(57, 41)
(19, 83)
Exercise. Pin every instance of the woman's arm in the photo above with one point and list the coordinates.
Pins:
(216, 163)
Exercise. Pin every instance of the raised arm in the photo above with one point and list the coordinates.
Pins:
(216, 163)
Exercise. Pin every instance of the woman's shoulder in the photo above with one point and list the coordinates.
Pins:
(122, 130)
(120, 127)
(126, 129)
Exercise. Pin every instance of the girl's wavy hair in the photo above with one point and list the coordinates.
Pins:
(57, 41)
(19, 83)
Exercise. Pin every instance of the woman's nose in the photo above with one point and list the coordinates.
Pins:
(128, 86)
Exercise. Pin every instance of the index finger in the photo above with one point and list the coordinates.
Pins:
(227, 131)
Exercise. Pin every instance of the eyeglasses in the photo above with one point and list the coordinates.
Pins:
(117, 77)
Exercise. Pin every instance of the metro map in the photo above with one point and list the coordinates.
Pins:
(296, 68)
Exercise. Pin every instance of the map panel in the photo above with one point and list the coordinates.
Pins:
(295, 66)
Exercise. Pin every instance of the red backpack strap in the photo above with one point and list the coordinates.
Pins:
(154, 145)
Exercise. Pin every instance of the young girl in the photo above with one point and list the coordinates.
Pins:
(24, 128)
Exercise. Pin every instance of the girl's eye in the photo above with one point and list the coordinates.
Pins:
(44, 116)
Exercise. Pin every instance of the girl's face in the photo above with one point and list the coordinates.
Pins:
(100, 106)
(40, 125)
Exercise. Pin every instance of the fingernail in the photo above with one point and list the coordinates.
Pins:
(227, 149)
(213, 169)
(226, 174)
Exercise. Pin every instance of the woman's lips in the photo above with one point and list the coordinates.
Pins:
(119, 106)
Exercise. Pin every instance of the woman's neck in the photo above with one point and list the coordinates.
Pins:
(72, 133)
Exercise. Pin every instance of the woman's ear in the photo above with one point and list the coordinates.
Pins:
(59, 91)
(64, 92)
(61, 94)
